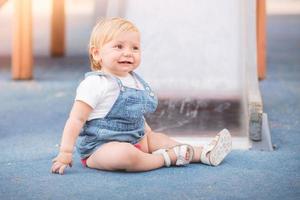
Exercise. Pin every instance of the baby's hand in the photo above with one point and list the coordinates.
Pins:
(61, 161)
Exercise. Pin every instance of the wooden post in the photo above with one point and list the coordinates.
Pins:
(22, 61)
(58, 28)
(261, 37)
(2, 2)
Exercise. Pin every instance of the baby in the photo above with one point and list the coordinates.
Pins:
(108, 112)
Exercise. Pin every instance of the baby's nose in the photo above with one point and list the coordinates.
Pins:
(127, 53)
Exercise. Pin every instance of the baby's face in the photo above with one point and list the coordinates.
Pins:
(122, 54)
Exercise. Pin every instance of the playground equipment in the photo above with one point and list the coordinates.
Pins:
(200, 56)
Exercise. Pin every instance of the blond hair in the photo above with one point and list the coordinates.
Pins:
(105, 31)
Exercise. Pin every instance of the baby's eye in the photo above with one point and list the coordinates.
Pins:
(118, 46)
(135, 48)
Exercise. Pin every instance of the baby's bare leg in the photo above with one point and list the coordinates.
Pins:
(160, 140)
(123, 156)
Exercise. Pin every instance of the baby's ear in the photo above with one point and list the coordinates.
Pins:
(95, 53)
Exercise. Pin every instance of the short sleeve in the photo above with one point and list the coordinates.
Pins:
(91, 90)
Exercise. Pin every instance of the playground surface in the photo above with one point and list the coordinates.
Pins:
(33, 114)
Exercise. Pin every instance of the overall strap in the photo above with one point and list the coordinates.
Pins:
(145, 84)
(141, 80)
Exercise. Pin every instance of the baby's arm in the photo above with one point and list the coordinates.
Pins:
(78, 116)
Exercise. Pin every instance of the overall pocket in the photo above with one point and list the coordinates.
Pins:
(134, 108)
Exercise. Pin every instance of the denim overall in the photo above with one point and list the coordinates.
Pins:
(124, 122)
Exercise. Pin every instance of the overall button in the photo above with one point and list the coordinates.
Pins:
(122, 89)
(147, 88)
(151, 94)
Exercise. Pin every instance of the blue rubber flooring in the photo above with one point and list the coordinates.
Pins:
(33, 114)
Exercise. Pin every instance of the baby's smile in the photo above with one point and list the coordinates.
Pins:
(125, 62)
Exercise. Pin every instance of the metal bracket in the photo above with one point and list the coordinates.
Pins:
(265, 144)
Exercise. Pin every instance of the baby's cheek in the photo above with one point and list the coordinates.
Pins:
(137, 61)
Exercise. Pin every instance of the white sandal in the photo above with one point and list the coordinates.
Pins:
(218, 150)
(180, 152)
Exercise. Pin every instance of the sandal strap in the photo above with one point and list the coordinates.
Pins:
(203, 158)
(166, 156)
(206, 149)
(180, 152)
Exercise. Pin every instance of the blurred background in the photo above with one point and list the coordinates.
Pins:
(195, 54)
(203, 59)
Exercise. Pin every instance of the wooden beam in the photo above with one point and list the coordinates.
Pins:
(2, 2)
(58, 28)
(261, 37)
(22, 61)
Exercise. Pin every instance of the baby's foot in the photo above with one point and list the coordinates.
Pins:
(178, 155)
(218, 149)
(213, 143)
(173, 157)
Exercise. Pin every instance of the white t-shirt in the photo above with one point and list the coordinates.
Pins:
(101, 92)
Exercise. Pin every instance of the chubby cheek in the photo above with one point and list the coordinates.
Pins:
(137, 62)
